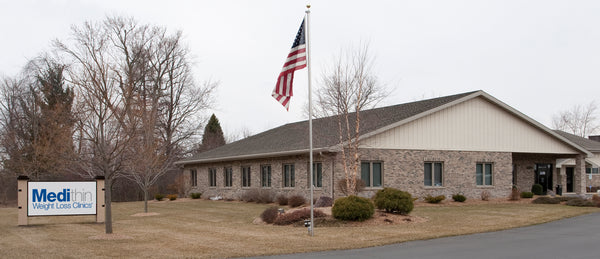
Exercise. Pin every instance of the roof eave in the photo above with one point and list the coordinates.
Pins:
(253, 156)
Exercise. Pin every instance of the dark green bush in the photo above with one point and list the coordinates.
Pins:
(324, 201)
(537, 189)
(269, 215)
(297, 216)
(393, 200)
(527, 195)
(580, 203)
(195, 195)
(459, 197)
(282, 199)
(353, 208)
(436, 199)
(296, 201)
(172, 197)
(159, 197)
(545, 200)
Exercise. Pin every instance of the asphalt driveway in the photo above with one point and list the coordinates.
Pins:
(577, 237)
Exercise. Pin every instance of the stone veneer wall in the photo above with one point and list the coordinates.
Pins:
(404, 170)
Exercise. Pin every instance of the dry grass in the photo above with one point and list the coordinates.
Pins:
(200, 228)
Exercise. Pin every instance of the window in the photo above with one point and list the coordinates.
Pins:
(246, 180)
(212, 177)
(591, 170)
(317, 174)
(433, 174)
(371, 173)
(265, 176)
(289, 177)
(228, 175)
(483, 173)
(194, 177)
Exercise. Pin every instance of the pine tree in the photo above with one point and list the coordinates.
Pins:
(213, 135)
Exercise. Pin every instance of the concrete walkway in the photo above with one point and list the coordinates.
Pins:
(574, 238)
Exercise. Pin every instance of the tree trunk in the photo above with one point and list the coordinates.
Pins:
(145, 200)
(108, 210)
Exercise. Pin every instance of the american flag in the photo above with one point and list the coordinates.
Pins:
(296, 60)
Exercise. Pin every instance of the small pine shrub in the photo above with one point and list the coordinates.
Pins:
(282, 199)
(515, 194)
(393, 200)
(297, 216)
(526, 195)
(459, 198)
(172, 197)
(195, 195)
(269, 215)
(324, 201)
(159, 197)
(580, 203)
(353, 208)
(485, 195)
(296, 201)
(545, 200)
(537, 189)
(436, 199)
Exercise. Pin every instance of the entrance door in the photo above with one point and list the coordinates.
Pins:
(570, 171)
(543, 176)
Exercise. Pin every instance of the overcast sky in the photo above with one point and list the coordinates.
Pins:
(539, 57)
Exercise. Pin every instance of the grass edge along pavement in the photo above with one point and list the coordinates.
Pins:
(201, 228)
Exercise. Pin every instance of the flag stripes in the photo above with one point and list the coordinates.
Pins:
(295, 60)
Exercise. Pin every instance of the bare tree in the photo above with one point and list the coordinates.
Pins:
(579, 120)
(348, 87)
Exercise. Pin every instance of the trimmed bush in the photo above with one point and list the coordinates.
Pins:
(265, 196)
(436, 199)
(195, 195)
(159, 197)
(282, 200)
(297, 216)
(296, 201)
(258, 196)
(324, 201)
(250, 195)
(393, 200)
(527, 195)
(537, 189)
(545, 200)
(580, 203)
(353, 208)
(485, 195)
(459, 198)
(269, 215)
(172, 197)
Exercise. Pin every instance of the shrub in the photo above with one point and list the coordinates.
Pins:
(296, 201)
(159, 197)
(580, 203)
(360, 186)
(353, 208)
(436, 199)
(172, 197)
(545, 200)
(269, 215)
(195, 195)
(566, 198)
(537, 189)
(394, 200)
(527, 195)
(515, 194)
(459, 197)
(485, 195)
(265, 196)
(258, 196)
(596, 198)
(297, 216)
(250, 195)
(282, 199)
(324, 201)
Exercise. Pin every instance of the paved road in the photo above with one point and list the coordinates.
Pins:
(574, 238)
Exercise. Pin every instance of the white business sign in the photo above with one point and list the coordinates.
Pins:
(61, 198)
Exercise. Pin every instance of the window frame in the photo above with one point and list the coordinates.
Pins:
(265, 179)
(484, 166)
(317, 174)
(288, 176)
(228, 176)
(212, 177)
(592, 170)
(246, 176)
(194, 177)
(370, 183)
(433, 183)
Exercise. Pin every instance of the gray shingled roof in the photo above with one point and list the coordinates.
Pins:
(293, 137)
(590, 145)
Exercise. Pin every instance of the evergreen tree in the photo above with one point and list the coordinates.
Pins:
(213, 135)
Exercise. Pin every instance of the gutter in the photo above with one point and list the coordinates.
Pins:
(253, 156)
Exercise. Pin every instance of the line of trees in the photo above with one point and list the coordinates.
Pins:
(116, 100)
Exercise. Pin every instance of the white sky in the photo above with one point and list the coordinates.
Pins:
(539, 57)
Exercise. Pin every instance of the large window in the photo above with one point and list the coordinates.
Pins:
(265, 176)
(591, 170)
(433, 174)
(228, 176)
(246, 180)
(194, 177)
(371, 173)
(212, 177)
(317, 174)
(289, 177)
(483, 174)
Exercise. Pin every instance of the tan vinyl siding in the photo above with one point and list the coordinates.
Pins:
(474, 125)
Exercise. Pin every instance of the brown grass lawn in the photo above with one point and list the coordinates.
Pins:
(200, 228)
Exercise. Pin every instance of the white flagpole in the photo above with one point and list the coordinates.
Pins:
(310, 115)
